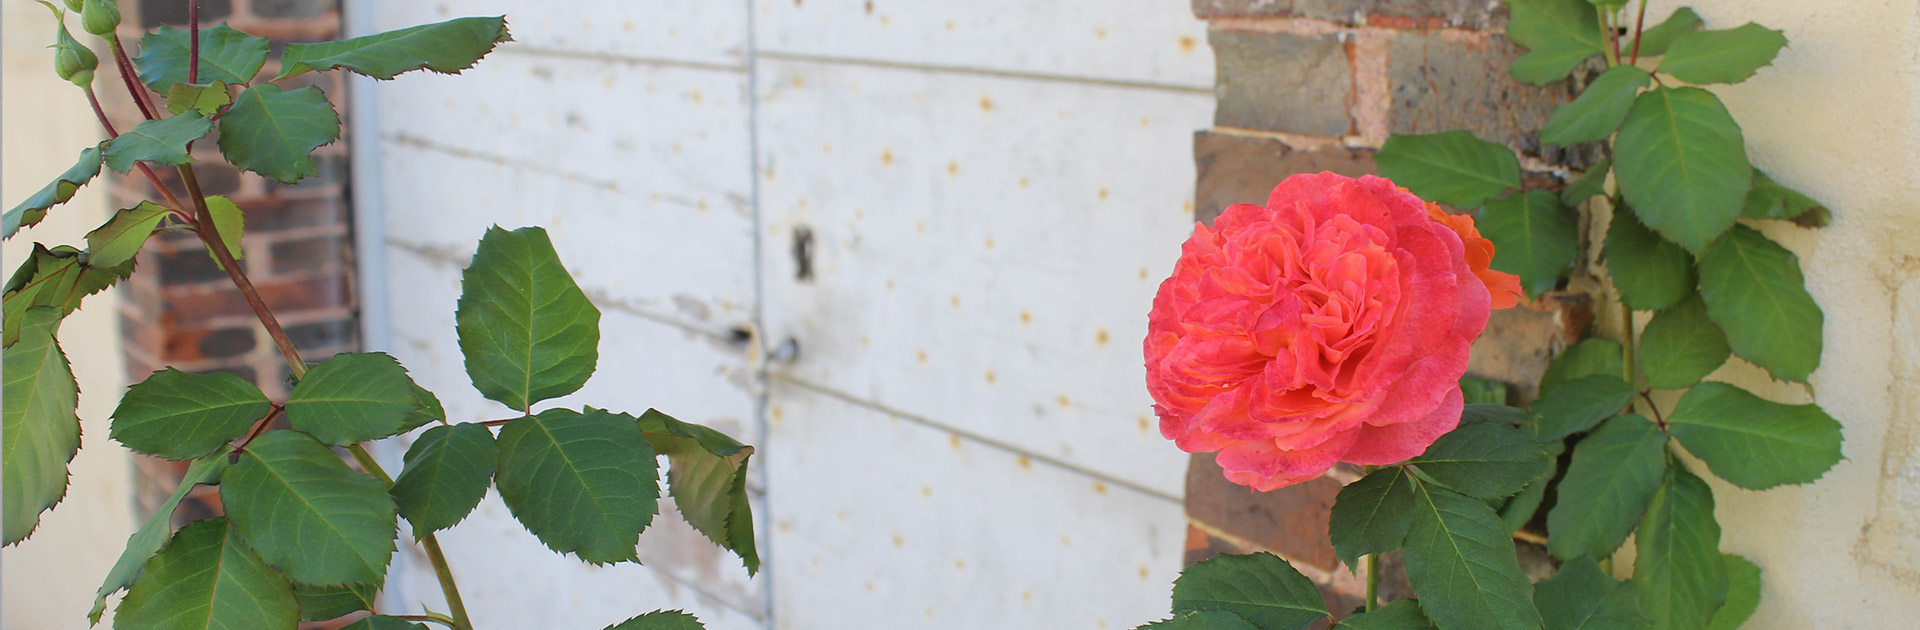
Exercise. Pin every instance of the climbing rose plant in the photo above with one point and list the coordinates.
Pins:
(305, 535)
(1275, 343)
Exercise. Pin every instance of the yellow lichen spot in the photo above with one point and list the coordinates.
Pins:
(1144, 121)
(1099, 488)
(1145, 424)
(1066, 541)
(949, 26)
(799, 81)
(920, 227)
(1100, 337)
(865, 341)
(702, 204)
(1187, 206)
(884, 21)
(1187, 44)
(1024, 462)
(1143, 572)
(815, 561)
(1026, 317)
(960, 563)
(1064, 401)
(899, 541)
(929, 611)
(921, 354)
(1100, 33)
(626, 26)
(986, 104)
(990, 377)
(956, 301)
(1026, 596)
(1143, 273)
(1024, 182)
(869, 7)
(606, 82)
(926, 492)
(803, 203)
(786, 526)
(953, 440)
(677, 148)
(989, 242)
(842, 515)
(697, 96)
(1103, 193)
(890, 284)
(827, 148)
(869, 586)
(775, 412)
(953, 169)
(886, 157)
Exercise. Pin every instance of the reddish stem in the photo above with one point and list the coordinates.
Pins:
(178, 209)
(258, 428)
(1639, 29)
(1654, 409)
(210, 234)
(132, 78)
(193, 41)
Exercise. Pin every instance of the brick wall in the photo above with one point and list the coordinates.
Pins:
(181, 310)
(1306, 86)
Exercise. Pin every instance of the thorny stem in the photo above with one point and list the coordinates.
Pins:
(430, 616)
(179, 209)
(193, 41)
(131, 78)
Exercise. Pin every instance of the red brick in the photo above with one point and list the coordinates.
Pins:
(1244, 169)
(1435, 13)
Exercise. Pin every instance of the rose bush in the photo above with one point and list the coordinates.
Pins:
(1329, 325)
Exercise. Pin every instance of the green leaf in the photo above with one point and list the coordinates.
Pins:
(1520, 509)
(147, 540)
(1723, 56)
(1599, 109)
(57, 192)
(182, 416)
(321, 603)
(383, 622)
(1770, 200)
(1591, 183)
(708, 480)
(231, 223)
(1754, 291)
(1681, 163)
(584, 484)
(1558, 35)
(162, 141)
(1655, 41)
(1581, 597)
(429, 410)
(1210, 619)
(447, 472)
(1483, 391)
(1651, 273)
(273, 132)
(1260, 587)
(445, 47)
(1532, 237)
(1371, 515)
(225, 55)
(1453, 168)
(1484, 460)
(39, 431)
(308, 514)
(1752, 442)
(1577, 405)
(60, 277)
(1594, 356)
(352, 397)
(1461, 563)
(1681, 345)
(1402, 614)
(527, 331)
(1614, 474)
(205, 579)
(660, 620)
(116, 242)
(1501, 414)
(1679, 573)
(206, 98)
(1743, 594)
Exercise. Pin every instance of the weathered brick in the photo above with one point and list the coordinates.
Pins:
(1477, 14)
(1307, 94)
(1244, 169)
(272, 215)
(292, 8)
(157, 12)
(316, 254)
(326, 334)
(187, 266)
(1444, 82)
(1291, 521)
(1520, 341)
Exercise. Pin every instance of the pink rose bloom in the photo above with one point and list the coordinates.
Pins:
(1330, 325)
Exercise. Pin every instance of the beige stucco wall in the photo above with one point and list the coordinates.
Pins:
(1838, 117)
(47, 582)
